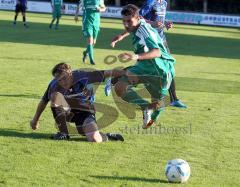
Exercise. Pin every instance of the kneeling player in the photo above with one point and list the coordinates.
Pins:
(72, 101)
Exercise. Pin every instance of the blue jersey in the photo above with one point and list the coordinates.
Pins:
(22, 2)
(154, 10)
(81, 92)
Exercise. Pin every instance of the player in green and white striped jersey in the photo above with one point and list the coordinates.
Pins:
(154, 67)
(90, 24)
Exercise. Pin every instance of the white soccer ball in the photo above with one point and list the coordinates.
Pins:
(177, 171)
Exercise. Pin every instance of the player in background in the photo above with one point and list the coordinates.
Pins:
(72, 100)
(90, 24)
(154, 67)
(154, 12)
(21, 6)
(57, 6)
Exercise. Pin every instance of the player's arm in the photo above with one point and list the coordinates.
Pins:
(102, 7)
(114, 73)
(34, 123)
(77, 10)
(151, 44)
(168, 24)
(40, 108)
(153, 53)
(52, 4)
(119, 38)
(100, 76)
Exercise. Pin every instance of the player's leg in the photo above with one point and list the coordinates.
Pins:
(158, 87)
(125, 90)
(86, 123)
(89, 50)
(23, 10)
(172, 90)
(17, 10)
(58, 16)
(61, 113)
(53, 18)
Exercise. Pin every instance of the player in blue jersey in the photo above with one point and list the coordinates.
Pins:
(72, 100)
(154, 11)
(21, 6)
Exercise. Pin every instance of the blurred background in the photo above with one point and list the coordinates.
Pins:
(206, 6)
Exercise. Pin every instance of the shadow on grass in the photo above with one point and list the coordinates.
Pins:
(71, 36)
(34, 135)
(20, 134)
(127, 178)
(30, 96)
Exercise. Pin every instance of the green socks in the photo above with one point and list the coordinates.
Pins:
(90, 53)
(156, 113)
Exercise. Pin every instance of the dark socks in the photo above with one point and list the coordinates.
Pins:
(60, 118)
(172, 91)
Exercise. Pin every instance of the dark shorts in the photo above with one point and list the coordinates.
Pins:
(84, 121)
(20, 8)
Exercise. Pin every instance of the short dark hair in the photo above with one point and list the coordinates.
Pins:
(130, 10)
(60, 68)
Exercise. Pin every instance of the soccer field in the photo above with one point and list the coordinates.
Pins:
(206, 134)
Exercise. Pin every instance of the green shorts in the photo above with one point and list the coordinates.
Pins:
(91, 32)
(56, 12)
(156, 80)
(91, 25)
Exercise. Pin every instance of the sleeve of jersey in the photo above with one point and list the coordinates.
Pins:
(146, 8)
(89, 77)
(45, 97)
(95, 77)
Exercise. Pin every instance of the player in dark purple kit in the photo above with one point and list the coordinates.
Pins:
(72, 100)
(21, 6)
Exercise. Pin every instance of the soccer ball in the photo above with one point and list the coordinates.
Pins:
(177, 171)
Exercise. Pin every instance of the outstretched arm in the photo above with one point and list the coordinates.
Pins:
(153, 53)
(119, 38)
(34, 123)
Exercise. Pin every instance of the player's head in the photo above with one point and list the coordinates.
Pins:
(63, 74)
(130, 17)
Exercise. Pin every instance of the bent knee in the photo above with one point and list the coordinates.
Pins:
(94, 137)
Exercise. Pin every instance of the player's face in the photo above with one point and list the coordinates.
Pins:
(131, 23)
(64, 79)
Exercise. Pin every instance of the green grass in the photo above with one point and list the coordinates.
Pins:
(208, 81)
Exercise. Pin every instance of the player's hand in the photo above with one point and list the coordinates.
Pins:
(34, 124)
(116, 40)
(157, 24)
(132, 78)
(76, 18)
(169, 25)
(125, 56)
